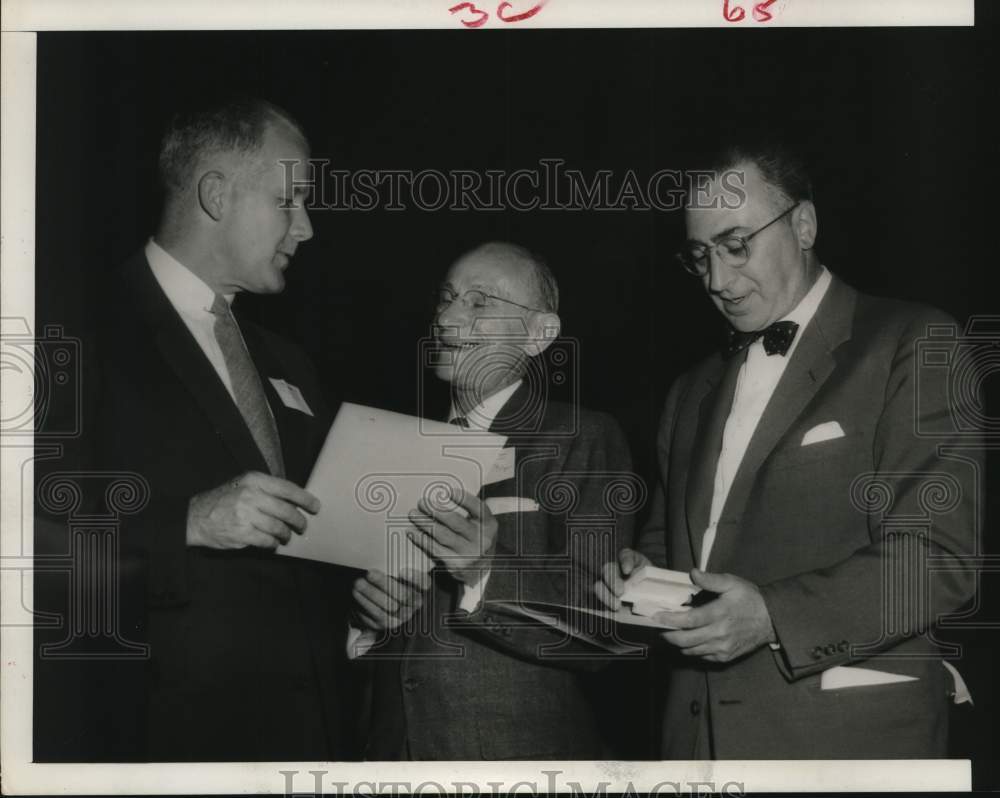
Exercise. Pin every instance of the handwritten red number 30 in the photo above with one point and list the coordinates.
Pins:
(735, 13)
(502, 13)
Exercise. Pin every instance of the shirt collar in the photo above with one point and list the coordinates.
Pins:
(804, 311)
(482, 416)
(187, 292)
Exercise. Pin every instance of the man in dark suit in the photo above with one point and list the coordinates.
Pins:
(803, 481)
(459, 680)
(222, 420)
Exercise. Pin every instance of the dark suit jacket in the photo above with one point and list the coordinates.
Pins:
(855, 541)
(481, 686)
(246, 646)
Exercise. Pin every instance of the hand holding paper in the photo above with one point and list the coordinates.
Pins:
(255, 509)
(460, 535)
(374, 468)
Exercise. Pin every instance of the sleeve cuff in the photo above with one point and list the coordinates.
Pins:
(359, 641)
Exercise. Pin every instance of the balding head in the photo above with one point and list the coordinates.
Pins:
(496, 310)
(525, 266)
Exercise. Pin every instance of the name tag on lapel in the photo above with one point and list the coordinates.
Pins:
(291, 395)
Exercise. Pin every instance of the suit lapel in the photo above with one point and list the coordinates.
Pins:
(811, 364)
(521, 413)
(713, 411)
(182, 353)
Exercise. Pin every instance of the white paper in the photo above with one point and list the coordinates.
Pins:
(503, 467)
(594, 626)
(374, 467)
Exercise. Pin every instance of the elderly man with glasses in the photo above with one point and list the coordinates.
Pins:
(814, 485)
(462, 678)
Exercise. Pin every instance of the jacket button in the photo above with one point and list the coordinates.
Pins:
(830, 649)
(410, 685)
(843, 645)
(817, 653)
(695, 708)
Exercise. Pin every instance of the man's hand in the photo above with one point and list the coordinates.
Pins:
(254, 509)
(734, 624)
(612, 582)
(384, 602)
(461, 544)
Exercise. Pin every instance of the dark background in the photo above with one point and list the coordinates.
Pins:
(890, 119)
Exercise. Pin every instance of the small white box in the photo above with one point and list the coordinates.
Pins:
(651, 590)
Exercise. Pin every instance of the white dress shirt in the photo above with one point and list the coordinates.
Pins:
(755, 384)
(479, 419)
(192, 298)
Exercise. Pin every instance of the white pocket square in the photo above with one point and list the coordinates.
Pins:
(826, 431)
(841, 676)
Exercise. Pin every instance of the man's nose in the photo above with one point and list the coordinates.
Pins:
(452, 316)
(719, 275)
(301, 229)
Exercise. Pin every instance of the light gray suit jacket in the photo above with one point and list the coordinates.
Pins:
(856, 542)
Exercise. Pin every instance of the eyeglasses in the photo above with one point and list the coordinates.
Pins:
(731, 250)
(474, 299)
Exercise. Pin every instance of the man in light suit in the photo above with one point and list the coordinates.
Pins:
(801, 480)
(460, 680)
(222, 420)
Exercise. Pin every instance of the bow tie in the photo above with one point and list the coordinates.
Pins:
(777, 338)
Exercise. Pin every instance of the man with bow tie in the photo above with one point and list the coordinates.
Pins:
(819, 640)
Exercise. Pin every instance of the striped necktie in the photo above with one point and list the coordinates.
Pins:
(247, 387)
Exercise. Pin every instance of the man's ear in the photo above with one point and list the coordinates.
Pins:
(806, 224)
(211, 193)
(543, 329)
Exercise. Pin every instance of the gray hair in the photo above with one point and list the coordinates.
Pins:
(236, 125)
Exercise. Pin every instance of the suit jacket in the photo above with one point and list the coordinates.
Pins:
(482, 686)
(856, 541)
(245, 646)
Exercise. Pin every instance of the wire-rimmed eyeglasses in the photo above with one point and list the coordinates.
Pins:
(474, 299)
(731, 250)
